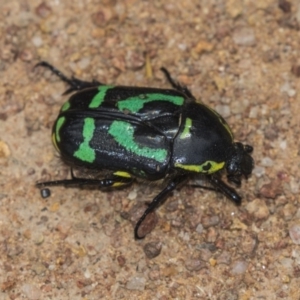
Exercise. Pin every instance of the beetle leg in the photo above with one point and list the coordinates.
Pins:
(114, 182)
(74, 83)
(222, 187)
(177, 86)
(158, 200)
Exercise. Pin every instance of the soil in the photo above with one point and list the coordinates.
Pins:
(241, 58)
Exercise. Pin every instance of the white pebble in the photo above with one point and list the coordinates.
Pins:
(258, 171)
(294, 232)
(37, 41)
(31, 291)
(132, 195)
(199, 228)
(287, 88)
(267, 162)
(136, 283)
(244, 36)
(223, 110)
(239, 267)
(283, 145)
(253, 112)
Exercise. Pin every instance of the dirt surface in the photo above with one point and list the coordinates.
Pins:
(239, 57)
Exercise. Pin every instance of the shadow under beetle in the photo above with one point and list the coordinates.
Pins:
(149, 133)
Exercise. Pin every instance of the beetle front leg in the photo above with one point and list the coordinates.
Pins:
(74, 83)
(225, 189)
(177, 86)
(172, 185)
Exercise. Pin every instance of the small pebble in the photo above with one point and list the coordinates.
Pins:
(43, 10)
(210, 221)
(194, 264)
(271, 132)
(294, 185)
(294, 232)
(258, 209)
(285, 6)
(154, 275)
(209, 246)
(271, 190)
(234, 8)
(267, 162)
(283, 144)
(249, 243)
(152, 249)
(253, 114)
(38, 268)
(287, 263)
(4, 150)
(84, 63)
(205, 255)
(121, 260)
(288, 211)
(92, 208)
(296, 70)
(244, 36)
(297, 14)
(223, 110)
(259, 171)
(37, 41)
(287, 88)
(199, 228)
(172, 206)
(136, 283)
(224, 258)
(132, 195)
(31, 291)
(101, 17)
(238, 267)
(45, 193)
(134, 59)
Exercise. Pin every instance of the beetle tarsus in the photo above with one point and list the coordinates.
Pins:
(225, 189)
(176, 85)
(74, 83)
(77, 181)
(173, 184)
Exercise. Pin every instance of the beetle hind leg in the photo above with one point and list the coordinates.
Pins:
(115, 181)
(176, 85)
(74, 83)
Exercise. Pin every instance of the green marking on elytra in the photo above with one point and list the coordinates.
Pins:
(99, 97)
(186, 131)
(134, 104)
(123, 133)
(65, 106)
(85, 152)
(58, 125)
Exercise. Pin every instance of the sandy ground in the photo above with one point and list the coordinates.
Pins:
(239, 57)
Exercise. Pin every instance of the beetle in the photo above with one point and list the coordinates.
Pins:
(148, 133)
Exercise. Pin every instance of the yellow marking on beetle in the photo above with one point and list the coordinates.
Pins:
(122, 174)
(207, 167)
(117, 184)
(186, 131)
(54, 142)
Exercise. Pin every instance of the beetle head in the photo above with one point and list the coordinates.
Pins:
(239, 163)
